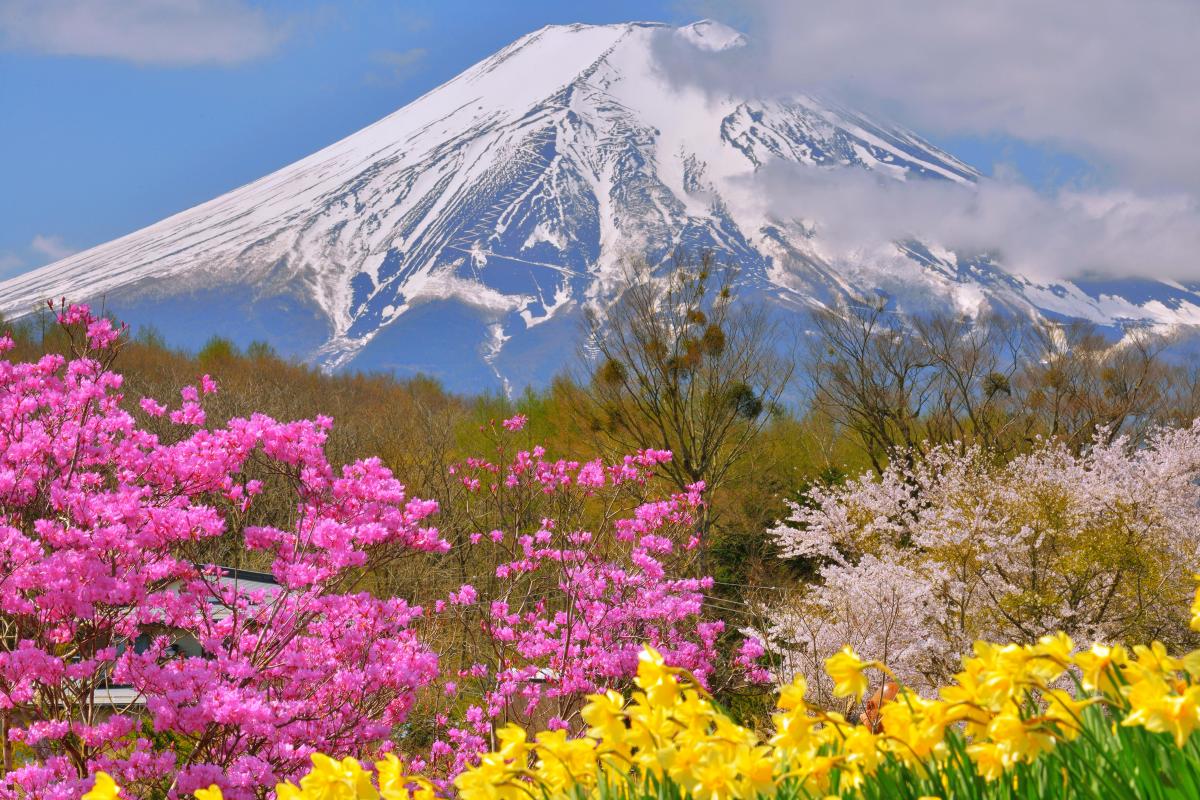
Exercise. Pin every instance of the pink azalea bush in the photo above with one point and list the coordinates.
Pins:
(563, 571)
(551, 609)
(101, 522)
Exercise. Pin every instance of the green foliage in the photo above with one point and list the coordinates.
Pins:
(150, 336)
(260, 351)
(611, 372)
(217, 351)
(745, 400)
(1106, 762)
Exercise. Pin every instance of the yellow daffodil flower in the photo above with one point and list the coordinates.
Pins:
(1063, 709)
(757, 771)
(791, 696)
(846, 669)
(1100, 665)
(330, 779)
(1160, 710)
(1195, 623)
(989, 759)
(394, 784)
(1050, 658)
(605, 716)
(655, 678)
(1153, 661)
(104, 788)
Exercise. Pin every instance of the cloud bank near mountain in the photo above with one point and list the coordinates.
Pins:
(1109, 80)
(1071, 233)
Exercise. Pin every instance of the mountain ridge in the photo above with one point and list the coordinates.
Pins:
(462, 234)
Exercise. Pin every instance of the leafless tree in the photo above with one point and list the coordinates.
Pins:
(1078, 382)
(902, 384)
(873, 377)
(679, 362)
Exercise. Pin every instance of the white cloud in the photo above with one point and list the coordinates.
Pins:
(167, 32)
(398, 65)
(1070, 234)
(52, 247)
(1112, 79)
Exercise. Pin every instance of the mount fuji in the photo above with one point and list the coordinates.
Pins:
(461, 235)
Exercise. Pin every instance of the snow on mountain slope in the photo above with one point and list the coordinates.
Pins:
(460, 235)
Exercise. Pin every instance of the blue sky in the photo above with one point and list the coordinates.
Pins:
(117, 113)
(96, 147)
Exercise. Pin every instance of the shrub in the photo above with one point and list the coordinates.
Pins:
(235, 680)
(100, 522)
(566, 569)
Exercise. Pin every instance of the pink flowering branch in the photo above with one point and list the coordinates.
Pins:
(567, 572)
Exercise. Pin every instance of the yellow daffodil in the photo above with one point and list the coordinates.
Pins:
(213, 792)
(1191, 664)
(330, 779)
(1153, 661)
(915, 727)
(563, 762)
(1066, 711)
(605, 716)
(1160, 710)
(1023, 739)
(861, 747)
(816, 769)
(103, 788)
(1050, 658)
(1195, 623)
(655, 678)
(491, 779)
(965, 701)
(846, 669)
(756, 769)
(714, 779)
(793, 731)
(514, 745)
(1100, 665)
(791, 696)
(989, 759)
(288, 791)
(394, 784)
(1001, 672)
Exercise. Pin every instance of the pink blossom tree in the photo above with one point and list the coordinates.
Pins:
(919, 562)
(102, 528)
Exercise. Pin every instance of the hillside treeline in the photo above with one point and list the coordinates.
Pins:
(757, 407)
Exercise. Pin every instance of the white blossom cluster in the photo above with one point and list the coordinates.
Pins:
(919, 562)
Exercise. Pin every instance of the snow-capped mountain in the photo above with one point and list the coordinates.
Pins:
(460, 235)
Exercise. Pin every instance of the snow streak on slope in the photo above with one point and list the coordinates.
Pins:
(461, 233)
